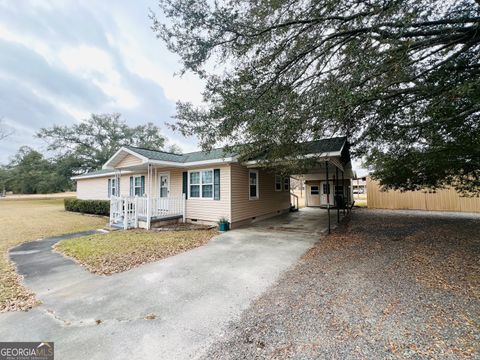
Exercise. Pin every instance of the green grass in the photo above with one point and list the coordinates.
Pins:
(122, 250)
(23, 220)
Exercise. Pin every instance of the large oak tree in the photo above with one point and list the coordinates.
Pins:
(400, 78)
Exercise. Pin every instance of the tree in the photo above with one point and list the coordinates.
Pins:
(30, 173)
(89, 144)
(400, 78)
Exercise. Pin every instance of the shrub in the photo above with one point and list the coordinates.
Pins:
(96, 207)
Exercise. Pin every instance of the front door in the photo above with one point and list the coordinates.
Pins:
(163, 192)
(325, 193)
(164, 185)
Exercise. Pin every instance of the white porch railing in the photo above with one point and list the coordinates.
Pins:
(127, 211)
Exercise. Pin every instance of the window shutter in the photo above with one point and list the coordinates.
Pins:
(216, 184)
(185, 183)
(109, 189)
(132, 190)
(142, 181)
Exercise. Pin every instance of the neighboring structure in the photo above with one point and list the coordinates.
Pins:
(145, 186)
(440, 200)
(359, 185)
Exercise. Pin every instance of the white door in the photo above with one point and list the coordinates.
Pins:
(164, 185)
(163, 191)
(326, 193)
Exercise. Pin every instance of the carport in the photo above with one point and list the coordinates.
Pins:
(328, 181)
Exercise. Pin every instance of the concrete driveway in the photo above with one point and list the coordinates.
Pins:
(193, 296)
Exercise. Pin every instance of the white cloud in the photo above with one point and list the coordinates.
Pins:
(96, 65)
(155, 63)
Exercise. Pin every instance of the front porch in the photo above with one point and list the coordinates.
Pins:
(128, 212)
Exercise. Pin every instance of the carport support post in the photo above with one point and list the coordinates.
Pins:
(343, 193)
(335, 193)
(328, 196)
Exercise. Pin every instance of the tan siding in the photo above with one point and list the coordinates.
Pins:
(269, 201)
(211, 210)
(442, 200)
(93, 189)
(129, 160)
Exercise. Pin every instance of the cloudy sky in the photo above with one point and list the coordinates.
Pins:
(62, 60)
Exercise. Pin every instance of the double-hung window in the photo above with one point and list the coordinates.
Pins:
(278, 183)
(286, 184)
(314, 190)
(137, 186)
(201, 184)
(253, 184)
(112, 187)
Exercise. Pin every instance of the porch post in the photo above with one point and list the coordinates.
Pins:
(184, 207)
(336, 196)
(328, 197)
(125, 213)
(343, 192)
(149, 210)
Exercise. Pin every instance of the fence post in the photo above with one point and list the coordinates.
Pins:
(149, 212)
(136, 211)
(184, 203)
(125, 214)
(111, 209)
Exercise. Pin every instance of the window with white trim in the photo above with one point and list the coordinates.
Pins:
(278, 183)
(253, 184)
(286, 184)
(201, 184)
(137, 186)
(112, 187)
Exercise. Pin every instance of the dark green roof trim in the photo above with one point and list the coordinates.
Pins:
(95, 173)
(181, 158)
(330, 145)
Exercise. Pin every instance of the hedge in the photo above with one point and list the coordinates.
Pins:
(96, 207)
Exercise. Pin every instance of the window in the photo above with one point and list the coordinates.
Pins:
(201, 184)
(137, 188)
(278, 183)
(339, 190)
(314, 190)
(286, 184)
(112, 187)
(326, 188)
(253, 184)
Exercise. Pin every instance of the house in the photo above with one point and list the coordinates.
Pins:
(148, 186)
(360, 185)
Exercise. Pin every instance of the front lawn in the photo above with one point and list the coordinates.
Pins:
(122, 250)
(29, 219)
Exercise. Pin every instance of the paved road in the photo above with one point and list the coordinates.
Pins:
(193, 295)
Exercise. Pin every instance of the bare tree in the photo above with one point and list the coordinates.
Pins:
(4, 131)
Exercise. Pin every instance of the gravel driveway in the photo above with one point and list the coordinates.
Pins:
(385, 284)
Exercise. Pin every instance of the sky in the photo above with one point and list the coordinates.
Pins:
(61, 60)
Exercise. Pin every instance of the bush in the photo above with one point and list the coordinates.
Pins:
(96, 207)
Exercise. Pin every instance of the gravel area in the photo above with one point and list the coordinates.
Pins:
(383, 285)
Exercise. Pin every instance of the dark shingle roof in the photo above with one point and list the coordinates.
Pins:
(181, 158)
(96, 172)
(312, 147)
(324, 145)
